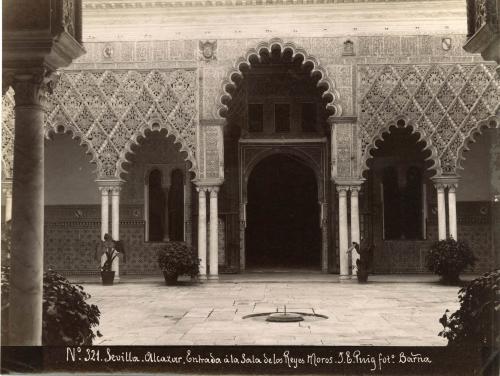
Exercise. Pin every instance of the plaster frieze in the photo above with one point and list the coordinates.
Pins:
(209, 20)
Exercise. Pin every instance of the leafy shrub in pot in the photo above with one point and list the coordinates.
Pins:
(67, 319)
(175, 259)
(448, 258)
(476, 324)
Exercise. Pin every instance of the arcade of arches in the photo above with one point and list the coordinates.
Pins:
(268, 154)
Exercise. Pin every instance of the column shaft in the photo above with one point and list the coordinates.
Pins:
(343, 233)
(115, 213)
(115, 226)
(8, 205)
(441, 212)
(452, 211)
(104, 211)
(214, 234)
(355, 236)
(202, 231)
(26, 277)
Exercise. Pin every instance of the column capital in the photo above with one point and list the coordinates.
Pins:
(109, 184)
(332, 120)
(7, 187)
(213, 122)
(201, 189)
(207, 183)
(31, 87)
(342, 189)
(441, 182)
(213, 190)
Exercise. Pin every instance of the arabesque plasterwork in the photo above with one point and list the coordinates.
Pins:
(108, 110)
(444, 103)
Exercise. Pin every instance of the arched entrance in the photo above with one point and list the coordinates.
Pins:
(398, 201)
(283, 228)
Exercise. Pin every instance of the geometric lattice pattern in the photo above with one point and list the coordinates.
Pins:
(7, 132)
(444, 103)
(108, 110)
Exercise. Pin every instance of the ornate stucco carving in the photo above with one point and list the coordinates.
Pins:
(330, 93)
(8, 132)
(108, 110)
(444, 103)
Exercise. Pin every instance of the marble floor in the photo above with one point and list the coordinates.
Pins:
(390, 310)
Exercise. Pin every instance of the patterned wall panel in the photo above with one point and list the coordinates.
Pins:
(444, 103)
(108, 111)
(8, 132)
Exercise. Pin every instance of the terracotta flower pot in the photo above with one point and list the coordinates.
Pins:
(108, 277)
(170, 278)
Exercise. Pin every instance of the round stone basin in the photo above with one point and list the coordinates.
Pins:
(284, 317)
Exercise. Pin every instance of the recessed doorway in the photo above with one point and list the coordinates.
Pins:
(283, 229)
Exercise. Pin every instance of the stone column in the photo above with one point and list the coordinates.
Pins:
(115, 213)
(441, 206)
(355, 236)
(214, 234)
(452, 210)
(166, 228)
(26, 277)
(202, 231)
(104, 211)
(7, 192)
(343, 233)
(115, 226)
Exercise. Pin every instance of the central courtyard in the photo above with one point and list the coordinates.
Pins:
(389, 311)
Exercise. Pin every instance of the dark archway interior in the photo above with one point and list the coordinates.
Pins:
(156, 206)
(399, 168)
(176, 206)
(282, 215)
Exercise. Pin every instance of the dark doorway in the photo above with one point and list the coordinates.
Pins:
(156, 207)
(176, 206)
(282, 215)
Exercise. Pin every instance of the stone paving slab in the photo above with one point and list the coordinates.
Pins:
(378, 313)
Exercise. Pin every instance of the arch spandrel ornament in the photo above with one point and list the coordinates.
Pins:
(109, 110)
(490, 122)
(8, 133)
(229, 83)
(441, 102)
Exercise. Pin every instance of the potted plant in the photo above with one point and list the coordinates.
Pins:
(107, 274)
(364, 263)
(448, 258)
(175, 259)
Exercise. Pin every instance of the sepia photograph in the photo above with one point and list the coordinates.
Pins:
(250, 187)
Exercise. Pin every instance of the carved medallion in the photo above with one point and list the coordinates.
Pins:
(446, 44)
(208, 50)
